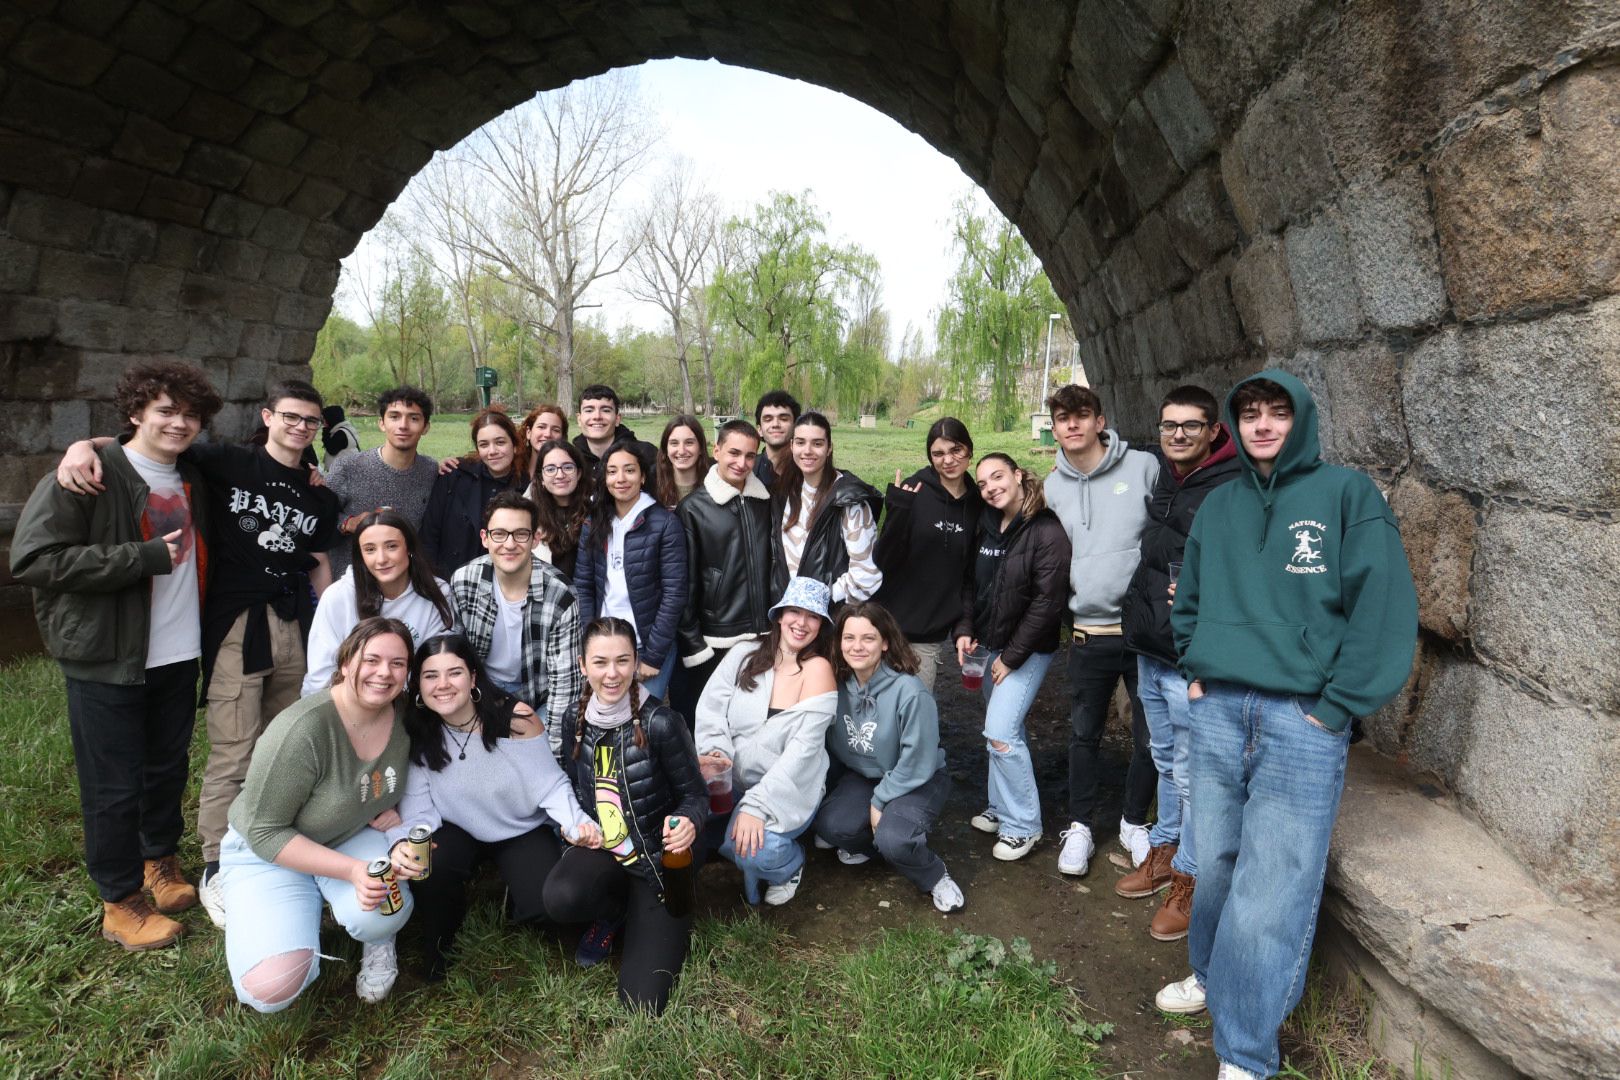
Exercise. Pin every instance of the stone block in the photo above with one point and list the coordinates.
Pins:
(38, 371)
(230, 216)
(239, 259)
(296, 311)
(1048, 198)
(212, 117)
(110, 184)
(26, 318)
(90, 325)
(1537, 391)
(1079, 241)
(290, 51)
(231, 18)
(273, 141)
(248, 378)
(151, 145)
(212, 335)
(18, 261)
(216, 166)
(1264, 296)
(1277, 167)
(121, 236)
(1033, 56)
(1358, 394)
(24, 427)
(1200, 218)
(160, 331)
(251, 302)
(137, 84)
(1186, 125)
(1124, 278)
(83, 277)
(1560, 635)
(186, 249)
(97, 373)
(1393, 250)
(60, 54)
(1113, 49)
(1438, 529)
(323, 240)
(70, 422)
(153, 287)
(1165, 272)
(271, 92)
(1528, 206)
(150, 31)
(210, 60)
(284, 269)
(260, 341)
(1514, 742)
(42, 165)
(1143, 157)
(172, 200)
(1164, 342)
(46, 219)
(73, 117)
(1324, 283)
(269, 185)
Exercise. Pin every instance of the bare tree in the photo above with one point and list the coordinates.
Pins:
(674, 238)
(552, 169)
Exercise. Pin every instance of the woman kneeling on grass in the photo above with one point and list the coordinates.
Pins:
(889, 782)
(325, 779)
(636, 769)
(485, 787)
(1012, 606)
(764, 715)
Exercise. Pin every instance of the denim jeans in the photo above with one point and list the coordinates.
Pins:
(1014, 798)
(1164, 704)
(1095, 668)
(777, 859)
(845, 821)
(658, 685)
(271, 910)
(1266, 782)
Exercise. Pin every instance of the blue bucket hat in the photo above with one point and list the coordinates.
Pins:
(808, 594)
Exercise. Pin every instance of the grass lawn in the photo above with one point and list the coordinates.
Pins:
(913, 1002)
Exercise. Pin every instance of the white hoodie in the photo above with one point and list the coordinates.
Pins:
(337, 614)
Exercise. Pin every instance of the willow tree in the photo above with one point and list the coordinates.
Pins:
(999, 300)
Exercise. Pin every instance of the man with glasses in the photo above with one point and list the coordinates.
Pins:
(1201, 456)
(1099, 491)
(270, 528)
(519, 614)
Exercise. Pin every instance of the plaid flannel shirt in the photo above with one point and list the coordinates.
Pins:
(550, 634)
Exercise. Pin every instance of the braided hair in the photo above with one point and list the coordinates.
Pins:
(607, 626)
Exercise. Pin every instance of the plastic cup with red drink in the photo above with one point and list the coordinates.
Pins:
(973, 665)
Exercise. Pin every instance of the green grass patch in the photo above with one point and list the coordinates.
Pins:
(912, 1002)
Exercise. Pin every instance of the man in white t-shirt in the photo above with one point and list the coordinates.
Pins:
(118, 581)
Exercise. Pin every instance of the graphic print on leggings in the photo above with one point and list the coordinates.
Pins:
(610, 805)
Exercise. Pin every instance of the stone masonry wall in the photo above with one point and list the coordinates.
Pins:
(1413, 204)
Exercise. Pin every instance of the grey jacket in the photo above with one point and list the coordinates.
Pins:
(779, 764)
(1104, 512)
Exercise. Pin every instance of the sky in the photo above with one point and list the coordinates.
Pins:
(749, 133)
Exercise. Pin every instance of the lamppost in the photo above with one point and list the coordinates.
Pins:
(1046, 371)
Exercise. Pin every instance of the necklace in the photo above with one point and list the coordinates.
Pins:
(462, 745)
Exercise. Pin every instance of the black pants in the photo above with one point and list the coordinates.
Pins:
(524, 862)
(845, 821)
(588, 885)
(1095, 668)
(130, 747)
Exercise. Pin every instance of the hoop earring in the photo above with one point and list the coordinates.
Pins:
(420, 704)
(477, 695)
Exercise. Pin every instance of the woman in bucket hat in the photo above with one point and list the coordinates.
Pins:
(764, 717)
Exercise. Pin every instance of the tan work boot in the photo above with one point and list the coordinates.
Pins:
(1150, 877)
(132, 923)
(1170, 922)
(170, 890)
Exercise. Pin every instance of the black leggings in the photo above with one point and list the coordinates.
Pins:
(589, 885)
(524, 863)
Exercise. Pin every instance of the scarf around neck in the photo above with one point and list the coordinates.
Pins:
(607, 717)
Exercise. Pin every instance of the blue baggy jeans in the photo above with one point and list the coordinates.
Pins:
(1163, 693)
(1013, 796)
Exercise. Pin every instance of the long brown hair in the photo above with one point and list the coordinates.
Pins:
(608, 626)
(560, 524)
(790, 480)
(764, 658)
(364, 631)
(368, 597)
(664, 472)
(899, 656)
(527, 459)
(1031, 486)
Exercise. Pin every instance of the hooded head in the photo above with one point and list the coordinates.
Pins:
(1301, 451)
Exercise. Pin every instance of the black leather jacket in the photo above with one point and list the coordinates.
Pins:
(728, 566)
(825, 555)
(661, 779)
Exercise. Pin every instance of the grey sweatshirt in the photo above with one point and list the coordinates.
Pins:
(779, 764)
(494, 794)
(1104, 512)
(888, 731)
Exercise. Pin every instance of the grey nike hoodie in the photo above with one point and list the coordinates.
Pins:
(1104, 512)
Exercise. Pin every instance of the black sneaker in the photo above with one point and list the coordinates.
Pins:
(596, 943)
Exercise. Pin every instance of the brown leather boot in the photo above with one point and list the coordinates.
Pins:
(170, 890)
(1170, 922)
(132, 923)
(1150, 877)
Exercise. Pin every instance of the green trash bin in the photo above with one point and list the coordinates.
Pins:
(1047, 438)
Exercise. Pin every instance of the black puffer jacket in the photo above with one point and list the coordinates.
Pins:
(1145, 613)
(662, 778)
(1021, 610)
(455, 514)
(728, 566)
(825, 555)
(654, 572)
(927, 538)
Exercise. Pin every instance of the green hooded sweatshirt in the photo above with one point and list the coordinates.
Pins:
(1298, 583)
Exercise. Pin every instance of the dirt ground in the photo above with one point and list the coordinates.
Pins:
(1098, 940)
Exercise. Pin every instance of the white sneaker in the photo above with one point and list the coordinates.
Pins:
(1075, 858)
(777, 895)
(1232, 1072)
(821, 845)
(379, 967)
(947, 895)
(852, 858)
(1013, 848)
(1184, 997)
(212, 897)
(986, 821)
(1134, 839)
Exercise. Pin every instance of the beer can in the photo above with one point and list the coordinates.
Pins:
(420, 838)
(383, 871)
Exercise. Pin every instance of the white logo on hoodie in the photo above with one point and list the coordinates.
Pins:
(860, 738)
(1307, 554)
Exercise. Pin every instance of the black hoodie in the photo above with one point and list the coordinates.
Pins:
(646, 451)
(924, 547)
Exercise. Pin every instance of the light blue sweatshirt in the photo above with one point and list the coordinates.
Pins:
(1104, 512)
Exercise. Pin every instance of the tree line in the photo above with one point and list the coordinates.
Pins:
(492, 256)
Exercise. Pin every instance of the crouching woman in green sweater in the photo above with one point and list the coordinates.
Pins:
(325, 780)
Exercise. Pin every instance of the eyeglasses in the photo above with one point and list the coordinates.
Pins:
(298, 420)
(948, 455)
(559, 470)
(1193, 428)
(501, 536)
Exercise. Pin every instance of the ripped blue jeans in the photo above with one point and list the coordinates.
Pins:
(1014, 798)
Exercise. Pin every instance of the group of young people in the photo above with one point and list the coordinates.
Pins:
(552, 652)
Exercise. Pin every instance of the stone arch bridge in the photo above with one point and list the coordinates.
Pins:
(1414, 204)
